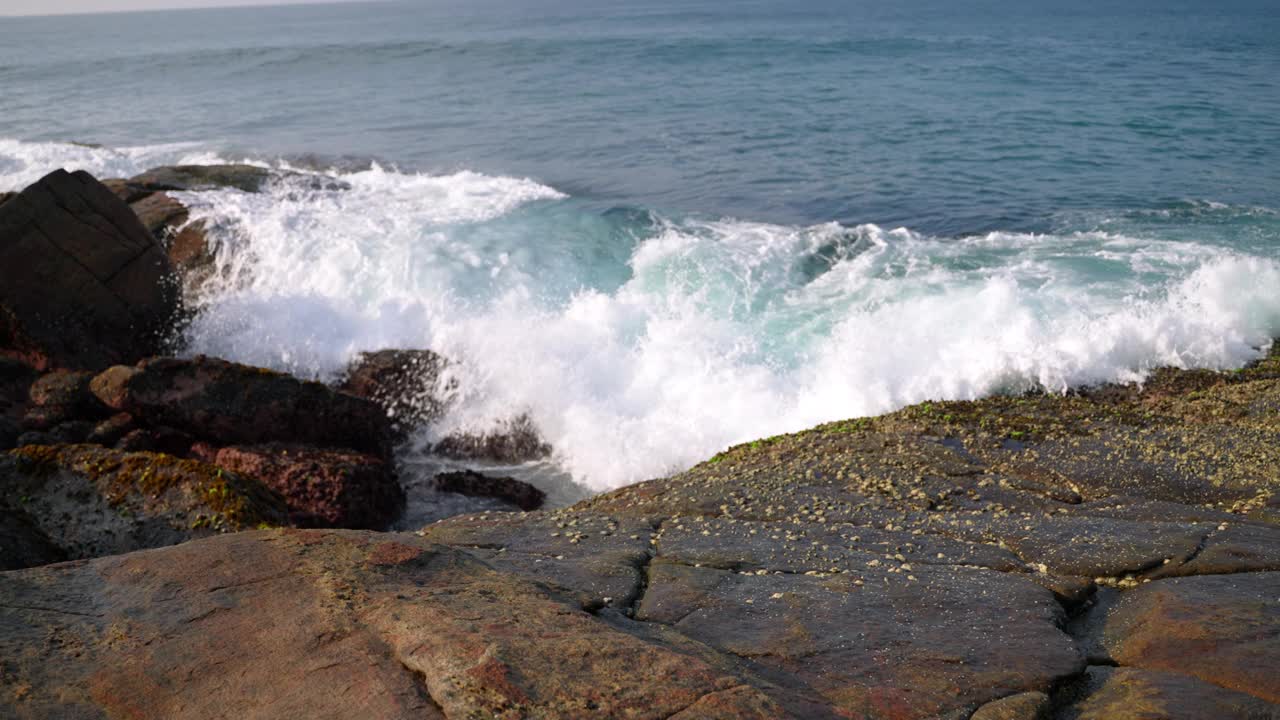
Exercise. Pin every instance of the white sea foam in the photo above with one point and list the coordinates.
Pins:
(725, 331)
(22, 163)
(641, 352)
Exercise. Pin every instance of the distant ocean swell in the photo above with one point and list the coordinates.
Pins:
(640, 343)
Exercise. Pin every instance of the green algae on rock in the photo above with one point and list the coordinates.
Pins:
(92, 501)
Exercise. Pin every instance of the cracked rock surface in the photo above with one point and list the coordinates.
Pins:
(1107, 554)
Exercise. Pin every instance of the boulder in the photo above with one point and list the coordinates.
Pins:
(60, 397)
(90, 501)
(232, 404)
(334, 624)
(468, 482)
(322, 487)
(404, 383)
(82, 283)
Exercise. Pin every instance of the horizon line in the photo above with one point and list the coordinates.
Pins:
(228, 5)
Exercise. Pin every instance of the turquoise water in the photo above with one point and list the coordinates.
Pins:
(660, 228)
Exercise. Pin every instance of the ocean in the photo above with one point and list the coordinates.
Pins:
(662, 228)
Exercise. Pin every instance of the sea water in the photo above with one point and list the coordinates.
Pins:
(662, 228)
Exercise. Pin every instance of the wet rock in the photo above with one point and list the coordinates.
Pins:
(322, 488)
(1133, 694)
(186, 243)
(22, 544)
(912, 644)
(422, 631)
(234, 404)
(248, 178)
(516, 441)
(125, 190)
(82, 284)
(597, 560)
(60, 397)
(110, 431)
(468, 482)
(161, 214)
(404, 383)
(91, 501)
(1222, 629)
(1023, 706)
(161, 439)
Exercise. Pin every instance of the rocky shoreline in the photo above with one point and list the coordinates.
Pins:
(190, 537)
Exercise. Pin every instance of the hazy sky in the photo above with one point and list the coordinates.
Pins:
(51, 7)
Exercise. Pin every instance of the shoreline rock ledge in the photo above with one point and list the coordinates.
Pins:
(1112, 554)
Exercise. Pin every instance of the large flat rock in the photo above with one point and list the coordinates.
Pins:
(330, 624)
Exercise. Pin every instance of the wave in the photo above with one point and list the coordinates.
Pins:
(640, 344)
(22, 163)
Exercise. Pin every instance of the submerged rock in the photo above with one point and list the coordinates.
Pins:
(468, 482)
(82, 283)
(232, 404)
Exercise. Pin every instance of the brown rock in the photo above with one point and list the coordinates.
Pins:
(322, 488)
(468, 482)
(82, 284)
(234, 404)
(185, 242)
(332, 624)
(1133, 694)
(161, 214)
(126, 190)
(1222, 629)
(63, 396)
(110, 431)
(90, 501)
(1023, 706)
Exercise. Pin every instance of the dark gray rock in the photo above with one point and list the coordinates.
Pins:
(82, 283)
